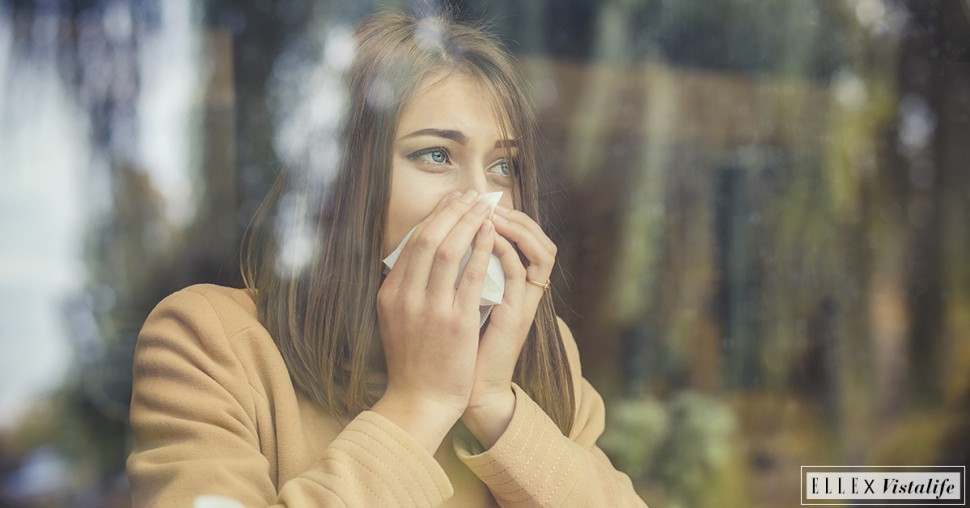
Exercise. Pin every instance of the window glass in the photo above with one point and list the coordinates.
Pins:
(761, 210)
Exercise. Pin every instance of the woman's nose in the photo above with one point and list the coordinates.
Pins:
(477, 181)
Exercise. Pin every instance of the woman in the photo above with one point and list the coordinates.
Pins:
(338, 382)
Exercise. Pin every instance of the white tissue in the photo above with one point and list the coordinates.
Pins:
(494, 288)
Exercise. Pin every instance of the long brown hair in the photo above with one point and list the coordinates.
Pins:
(322, 312)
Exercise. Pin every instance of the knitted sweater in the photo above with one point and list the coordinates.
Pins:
(215, 413)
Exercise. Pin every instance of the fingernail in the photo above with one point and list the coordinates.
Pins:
(469, 196)
(503, 208)
(482, 207)
(500, 219)
(486, 226)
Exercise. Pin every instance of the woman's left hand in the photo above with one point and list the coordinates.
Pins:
(492, 400)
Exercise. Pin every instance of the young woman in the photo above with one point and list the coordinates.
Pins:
(340, 383)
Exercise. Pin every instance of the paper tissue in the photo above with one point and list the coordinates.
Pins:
(494, 287)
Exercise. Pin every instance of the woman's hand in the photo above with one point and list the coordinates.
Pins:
(430, 329)
(492, 401)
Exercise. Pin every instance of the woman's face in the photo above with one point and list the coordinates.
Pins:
(447, 139)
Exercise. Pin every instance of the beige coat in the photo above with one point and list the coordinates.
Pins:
(214, 412)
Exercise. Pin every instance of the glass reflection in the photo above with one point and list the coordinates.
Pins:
(760, 208)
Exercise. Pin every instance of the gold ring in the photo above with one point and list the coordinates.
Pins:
(543, 285)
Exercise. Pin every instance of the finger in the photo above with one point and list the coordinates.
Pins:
(442, 204)
(515, 272)
(525, 220)
(452, 250)
(473, 278)
(396, 273)
(427, 237)
(539, 251)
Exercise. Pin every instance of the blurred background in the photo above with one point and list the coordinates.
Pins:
(761, 206)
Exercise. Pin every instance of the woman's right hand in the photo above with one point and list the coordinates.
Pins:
(430, 329)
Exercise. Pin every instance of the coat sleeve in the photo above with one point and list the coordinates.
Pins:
(195, 437)
(534, 464)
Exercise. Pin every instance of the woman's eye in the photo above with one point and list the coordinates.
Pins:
(431, 156)
(502, 168)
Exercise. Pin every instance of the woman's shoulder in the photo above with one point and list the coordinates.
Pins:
(209, 328)
(232, 308)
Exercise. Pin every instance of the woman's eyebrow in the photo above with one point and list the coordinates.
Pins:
(456, 136)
